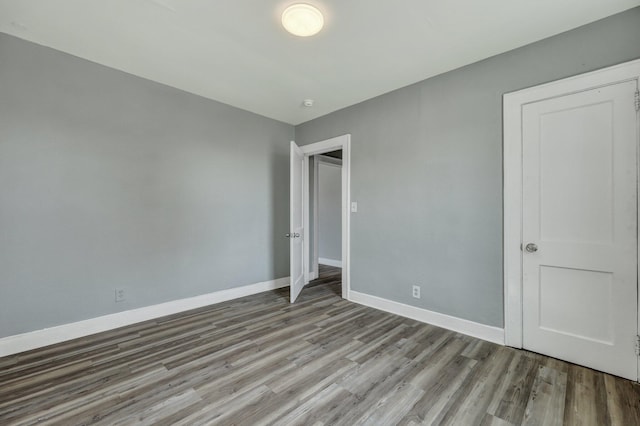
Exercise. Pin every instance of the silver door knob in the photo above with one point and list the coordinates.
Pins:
(531, 248)
(287, 235)
(296, 235)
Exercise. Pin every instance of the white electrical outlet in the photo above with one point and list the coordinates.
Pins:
(120, 294)
(416, 291)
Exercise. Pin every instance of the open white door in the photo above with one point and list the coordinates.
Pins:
(296, 233)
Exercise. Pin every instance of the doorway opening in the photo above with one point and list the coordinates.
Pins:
(325, 217)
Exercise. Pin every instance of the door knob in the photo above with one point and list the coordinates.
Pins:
(531, 248)
(287, 235)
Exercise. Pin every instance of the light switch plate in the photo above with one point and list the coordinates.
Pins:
(354, 207)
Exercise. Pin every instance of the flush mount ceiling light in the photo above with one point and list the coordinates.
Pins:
(302, 20)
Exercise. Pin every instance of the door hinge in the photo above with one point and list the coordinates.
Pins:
(637, 100)
(638, 345)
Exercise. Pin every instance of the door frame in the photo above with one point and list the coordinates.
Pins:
(344, 143)
(512, 169)
(313, 254)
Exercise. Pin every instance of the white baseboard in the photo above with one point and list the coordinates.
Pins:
(330, 262)
(35, 339)
(470, 328)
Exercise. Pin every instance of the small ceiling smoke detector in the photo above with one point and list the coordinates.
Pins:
(302, 20)
(308, 103)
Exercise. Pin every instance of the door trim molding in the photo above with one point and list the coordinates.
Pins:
(512, 168)
(344, 143)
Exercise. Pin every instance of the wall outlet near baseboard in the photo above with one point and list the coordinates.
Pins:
(416, 291)
(119, 294)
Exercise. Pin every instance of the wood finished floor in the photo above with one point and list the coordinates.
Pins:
(323, 361)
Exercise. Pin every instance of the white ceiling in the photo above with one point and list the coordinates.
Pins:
(236, 52)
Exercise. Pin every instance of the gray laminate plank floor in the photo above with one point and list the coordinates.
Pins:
(322, 361)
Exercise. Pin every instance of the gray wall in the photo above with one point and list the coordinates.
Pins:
(427, 170)
(108, 180)
(329, 212)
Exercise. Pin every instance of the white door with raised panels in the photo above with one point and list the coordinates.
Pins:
(579, 228)
(296, 233)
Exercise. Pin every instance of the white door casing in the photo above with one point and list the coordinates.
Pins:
(296, 222)
(516, 106)
(344, 143)
(579, 228)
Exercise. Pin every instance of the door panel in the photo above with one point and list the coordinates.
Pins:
(585, 189)
(590, 292)
(579, 209)
(296, 222)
